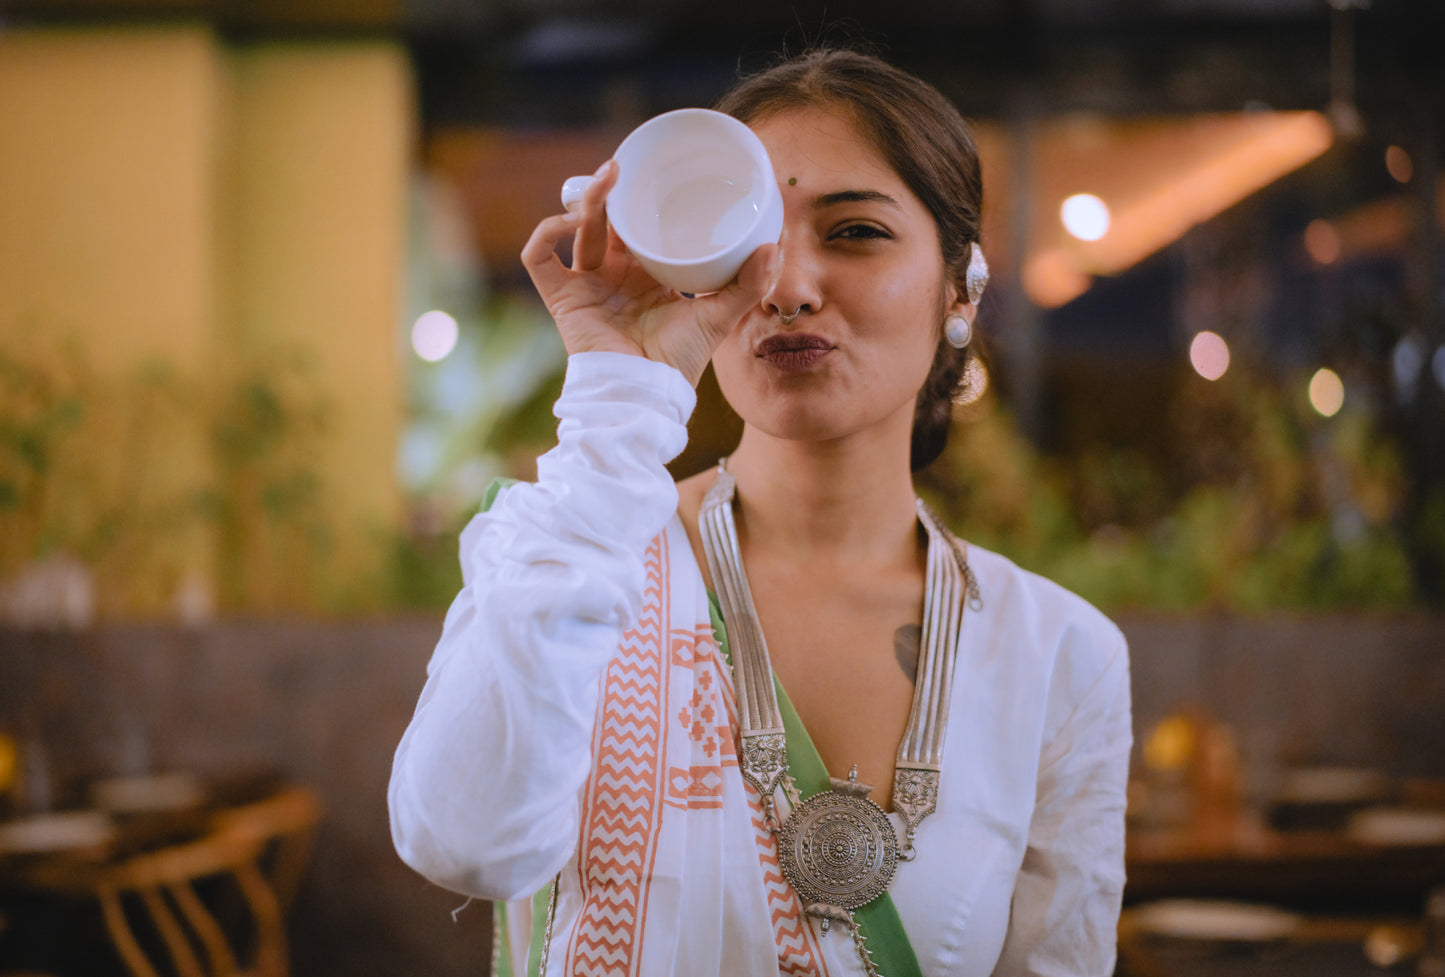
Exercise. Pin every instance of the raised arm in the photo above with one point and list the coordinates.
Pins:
(484, 787)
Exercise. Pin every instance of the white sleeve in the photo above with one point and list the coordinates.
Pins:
(484, 793)
(1065, 912)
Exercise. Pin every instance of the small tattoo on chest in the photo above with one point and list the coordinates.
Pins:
(906, 643)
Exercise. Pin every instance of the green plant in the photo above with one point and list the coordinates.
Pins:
(90, 469)
(268, 499)
(145, 476)
(1272, 507)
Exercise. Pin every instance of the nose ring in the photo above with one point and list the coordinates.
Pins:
(788, 317)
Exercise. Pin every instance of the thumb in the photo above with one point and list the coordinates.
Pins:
(727, 307)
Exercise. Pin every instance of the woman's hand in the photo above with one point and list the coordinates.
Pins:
(607, 302)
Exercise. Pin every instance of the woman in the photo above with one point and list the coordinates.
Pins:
(592, 747)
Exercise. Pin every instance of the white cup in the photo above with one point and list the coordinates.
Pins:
(695, 196)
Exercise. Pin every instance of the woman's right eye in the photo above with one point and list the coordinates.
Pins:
(860, 232)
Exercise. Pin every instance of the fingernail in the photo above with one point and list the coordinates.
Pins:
(602, 169)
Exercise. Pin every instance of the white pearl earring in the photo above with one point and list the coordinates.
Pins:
(957, 330)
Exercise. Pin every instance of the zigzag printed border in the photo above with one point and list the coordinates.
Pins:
(622, 804)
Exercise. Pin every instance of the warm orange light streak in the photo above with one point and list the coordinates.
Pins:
(1264, 148)
(1163, 215)
(1383, 226)
(1051, 278)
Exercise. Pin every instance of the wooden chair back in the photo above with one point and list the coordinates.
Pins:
(165, 911)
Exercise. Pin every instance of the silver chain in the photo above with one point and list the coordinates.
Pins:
(950, 586)
(863, 952)
(551, 917)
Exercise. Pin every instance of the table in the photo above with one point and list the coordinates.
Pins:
(1329, 946)
(1344, 889)
(1240, 858)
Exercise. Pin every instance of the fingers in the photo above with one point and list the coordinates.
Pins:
(747, 289)
(590, 247)
(592, 237)
(539, 254)
(756, 275)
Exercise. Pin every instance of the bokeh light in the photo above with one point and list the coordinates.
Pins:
(434, 335)
(1406, 361)
(1085, 216)
(1327, 392)
(1399, 163)
(1209, 354)
(1322, 242)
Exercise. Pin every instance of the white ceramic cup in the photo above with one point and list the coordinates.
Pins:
(695, 196)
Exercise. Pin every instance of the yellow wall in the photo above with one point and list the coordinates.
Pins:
(106, 188)
(180, 209)
(317, 156)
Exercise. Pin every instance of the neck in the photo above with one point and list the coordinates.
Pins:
(831, 500)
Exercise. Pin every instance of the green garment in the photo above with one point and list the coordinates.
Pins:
(879, 920)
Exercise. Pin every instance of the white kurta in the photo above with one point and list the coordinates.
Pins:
(1021, 867)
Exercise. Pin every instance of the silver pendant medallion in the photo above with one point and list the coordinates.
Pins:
(839, 851)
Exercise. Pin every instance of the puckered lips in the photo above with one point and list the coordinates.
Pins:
(793, 352)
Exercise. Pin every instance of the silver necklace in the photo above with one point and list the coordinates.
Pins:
(838, 849)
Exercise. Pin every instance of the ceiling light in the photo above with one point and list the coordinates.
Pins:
(1085, 216)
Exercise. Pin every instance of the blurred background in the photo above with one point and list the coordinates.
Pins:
(265, 341)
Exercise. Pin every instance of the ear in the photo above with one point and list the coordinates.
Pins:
(958, 303)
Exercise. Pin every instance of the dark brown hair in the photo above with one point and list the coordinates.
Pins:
(929, 145)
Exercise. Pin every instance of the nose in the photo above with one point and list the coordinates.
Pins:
(796, 286)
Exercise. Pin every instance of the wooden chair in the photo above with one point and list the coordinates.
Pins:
(215, 906)
(285, 823)
(163, 886)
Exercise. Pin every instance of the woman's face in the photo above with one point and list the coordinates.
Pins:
(861, 259)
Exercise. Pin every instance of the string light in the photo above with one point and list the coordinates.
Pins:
(1322, 241)
(1406, 361)
(1209, 355)
(1399, 163)
(434, 335)
(1327, 392)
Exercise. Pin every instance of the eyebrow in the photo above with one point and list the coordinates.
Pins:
(852, 197)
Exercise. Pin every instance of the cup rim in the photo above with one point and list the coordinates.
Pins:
(755, 149)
